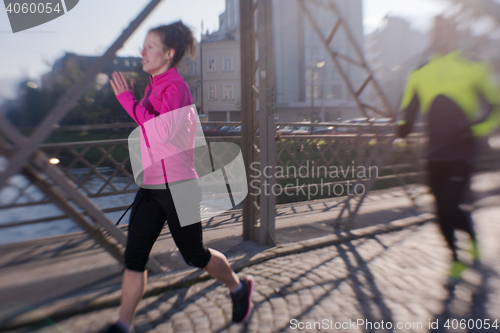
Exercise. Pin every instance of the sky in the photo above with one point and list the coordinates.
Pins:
(418, 12)
(93, 25)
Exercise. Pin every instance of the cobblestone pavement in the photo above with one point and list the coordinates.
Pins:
(398, 277)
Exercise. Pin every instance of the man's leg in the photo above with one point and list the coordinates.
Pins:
(460, 176)
(438, 174)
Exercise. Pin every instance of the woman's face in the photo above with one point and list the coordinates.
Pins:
(154, 60)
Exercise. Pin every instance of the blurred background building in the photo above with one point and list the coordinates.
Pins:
(306, 80)
(219, 56)
(308, 86)
(71, 61)
(307, 83)
(393, 51)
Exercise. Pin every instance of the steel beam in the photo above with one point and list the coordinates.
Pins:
(65, 103)
(27, 149)
(249, 121)
(266, 121)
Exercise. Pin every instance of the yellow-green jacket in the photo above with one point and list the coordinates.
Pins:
(449, 91)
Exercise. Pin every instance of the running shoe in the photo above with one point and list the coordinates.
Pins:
(474, 250)
(242, 300)
(115, 328)
(457, 269)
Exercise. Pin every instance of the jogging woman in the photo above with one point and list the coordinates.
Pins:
(167, 92)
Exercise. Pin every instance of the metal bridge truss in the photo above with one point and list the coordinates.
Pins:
(258, 102)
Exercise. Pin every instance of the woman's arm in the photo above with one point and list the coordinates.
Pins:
(134, 108)
(125, 94)
(175, 109)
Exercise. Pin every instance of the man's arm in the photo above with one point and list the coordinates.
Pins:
(489, 92)
(410, 105)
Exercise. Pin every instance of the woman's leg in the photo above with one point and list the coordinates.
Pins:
(146, 222)
(133, 288)
(218, 268)
(189, 240)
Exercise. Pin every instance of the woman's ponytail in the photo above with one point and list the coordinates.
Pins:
(177, 36)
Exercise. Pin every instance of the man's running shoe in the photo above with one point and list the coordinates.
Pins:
(242, 300)
(456, 270)
(474, 251)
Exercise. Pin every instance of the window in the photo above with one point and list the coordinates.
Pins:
(256, 49)
(195, 68)
(332, 73)
(235, 12)
(228, 91)
(255, 19)
(228, 65)
(316, 90)
(335, 92)
(211, 93)
(211, 65)
(229, 14)
(314, 53)
(194, 93)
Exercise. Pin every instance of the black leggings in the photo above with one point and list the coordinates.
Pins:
(450, 181)
(150, 210)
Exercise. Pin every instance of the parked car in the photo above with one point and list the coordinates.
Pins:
(224, 129)
(258, 129)
(287, 130)
(304, 130)
(235, 131)
(323, 130)
(348, 129)
(209, 130)
(380, 125)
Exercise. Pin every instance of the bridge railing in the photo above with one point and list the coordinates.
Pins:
(329, 162)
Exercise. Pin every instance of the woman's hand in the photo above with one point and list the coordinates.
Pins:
(120, 84)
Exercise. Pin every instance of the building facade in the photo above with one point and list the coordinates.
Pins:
(189, 68)
(308, 85)
(393, 51)
(220, 65)
(303, 90)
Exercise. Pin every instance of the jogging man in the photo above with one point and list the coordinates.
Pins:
(449, 90)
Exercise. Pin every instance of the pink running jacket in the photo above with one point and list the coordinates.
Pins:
(168, 128)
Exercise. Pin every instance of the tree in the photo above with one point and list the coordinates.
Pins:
(98, 106)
